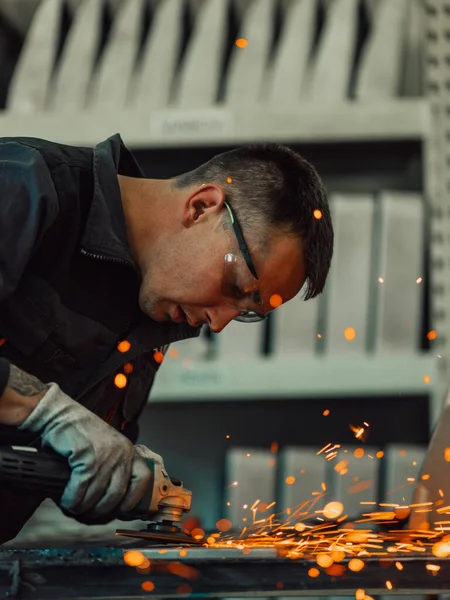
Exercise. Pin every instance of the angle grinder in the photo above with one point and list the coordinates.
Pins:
(164, 504)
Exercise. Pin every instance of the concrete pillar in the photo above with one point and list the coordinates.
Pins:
(30, 82)
(199, 79)
(247, 68)
(331, 68)
(380, 64)
(151, 85)
(71, 83)
(111, 84)
(290, 64)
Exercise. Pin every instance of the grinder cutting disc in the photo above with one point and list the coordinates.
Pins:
(161, 532)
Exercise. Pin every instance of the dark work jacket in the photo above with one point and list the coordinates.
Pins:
(69, 286)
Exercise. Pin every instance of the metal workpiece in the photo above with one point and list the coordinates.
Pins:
(101, 572)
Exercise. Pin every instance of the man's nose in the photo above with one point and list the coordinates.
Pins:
(221, 316)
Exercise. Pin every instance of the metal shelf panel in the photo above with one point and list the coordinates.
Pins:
(287, 377)
(309, 122)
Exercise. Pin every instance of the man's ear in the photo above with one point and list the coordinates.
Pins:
(206, 200)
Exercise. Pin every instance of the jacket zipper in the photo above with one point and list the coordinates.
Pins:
(103, 257)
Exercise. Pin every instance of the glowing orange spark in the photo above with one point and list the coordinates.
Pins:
(229, 180)
(349, 334)
(426, 379)
(120, 380)
(128, 368)
(360, 594)
(356, 565)
(324, 560)
(326, 412)
(290, 480)
(148, 586)
(432, 335)
(158, 356)
(332, 510)
(313, 572)
(399, 566)
(358, 431)
(317, 214)
(133, 558)
(447, 454)
(224, 525)
(389, 585)
(198, 534)
(441, 550)
(275, 300)
(341, 465)
(124, 346)
(241, 43)
(327, 446)
(358, 453)
(379, 454)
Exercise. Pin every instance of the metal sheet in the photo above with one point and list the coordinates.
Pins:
(101, 573)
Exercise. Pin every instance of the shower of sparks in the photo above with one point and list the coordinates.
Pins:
(301, 533)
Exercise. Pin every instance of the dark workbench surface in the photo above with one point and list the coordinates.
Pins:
(88, 572)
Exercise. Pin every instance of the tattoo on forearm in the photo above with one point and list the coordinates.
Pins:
(24, 383)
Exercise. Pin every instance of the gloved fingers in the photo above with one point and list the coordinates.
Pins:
(72, 499)
(140, 481)
(148, 454)
(83, 492)
(113, 494)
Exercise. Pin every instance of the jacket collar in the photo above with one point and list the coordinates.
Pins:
(105, 231)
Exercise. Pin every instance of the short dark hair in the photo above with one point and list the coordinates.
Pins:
(271, 186)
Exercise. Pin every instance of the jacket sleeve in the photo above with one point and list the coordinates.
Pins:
(4, 374)
(28, 207)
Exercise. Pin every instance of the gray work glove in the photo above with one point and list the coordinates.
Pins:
(108, 475)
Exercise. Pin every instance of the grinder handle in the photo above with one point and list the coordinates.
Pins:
(29, 470)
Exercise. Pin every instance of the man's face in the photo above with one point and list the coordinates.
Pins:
(183, 280)
(189, 286)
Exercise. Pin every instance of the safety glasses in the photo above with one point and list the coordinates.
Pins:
(240, 285)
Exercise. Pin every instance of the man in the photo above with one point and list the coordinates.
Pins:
(101, 269)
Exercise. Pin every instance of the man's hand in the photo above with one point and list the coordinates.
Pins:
(108, 475)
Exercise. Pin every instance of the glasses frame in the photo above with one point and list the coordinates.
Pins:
(247, 316)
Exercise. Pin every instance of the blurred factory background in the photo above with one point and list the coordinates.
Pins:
(362, 89)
